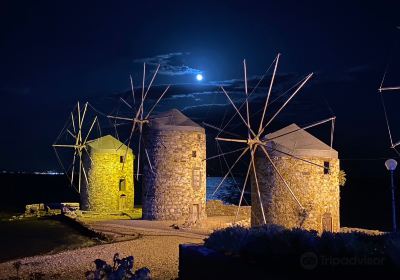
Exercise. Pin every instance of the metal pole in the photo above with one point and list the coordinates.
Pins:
(393, 203)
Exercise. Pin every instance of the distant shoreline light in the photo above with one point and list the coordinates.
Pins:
(50, 172)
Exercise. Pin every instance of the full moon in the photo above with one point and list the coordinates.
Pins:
(199, 77)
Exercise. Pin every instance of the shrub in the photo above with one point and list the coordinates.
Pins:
(275, 243)
(228, 240)
(342, 178)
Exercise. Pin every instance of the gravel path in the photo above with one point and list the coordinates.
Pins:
(155, 249)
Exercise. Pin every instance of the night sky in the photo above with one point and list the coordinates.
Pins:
(54, 53)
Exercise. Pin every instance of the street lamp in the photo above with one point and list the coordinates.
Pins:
(391, 165)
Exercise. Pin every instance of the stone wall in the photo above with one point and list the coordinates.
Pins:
(178, 179)
(318, 193)
(104, 173)
(217, 208)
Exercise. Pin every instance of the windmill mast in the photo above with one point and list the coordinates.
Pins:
(139, 118)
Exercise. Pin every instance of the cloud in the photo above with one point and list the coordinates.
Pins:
(187, 108)
(195, 99)
(193, 94)
(235, 90)
(171, 64)
(282, 81)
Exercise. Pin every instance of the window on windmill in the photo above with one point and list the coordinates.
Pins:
(326, 167)
(194, 154)
(121, 159)
(122, 184)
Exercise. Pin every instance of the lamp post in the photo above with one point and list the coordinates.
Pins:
(391, 165)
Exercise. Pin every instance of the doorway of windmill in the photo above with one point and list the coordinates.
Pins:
(327, 222)
(195, 212)
(122, 202)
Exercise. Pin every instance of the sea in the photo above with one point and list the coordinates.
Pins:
(228, 192)
(27, 188)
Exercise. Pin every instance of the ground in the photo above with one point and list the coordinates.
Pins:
(153, 244)
(157, 252)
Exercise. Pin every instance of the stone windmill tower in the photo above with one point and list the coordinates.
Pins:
(110, 188)
(175, 183)
(316, 188)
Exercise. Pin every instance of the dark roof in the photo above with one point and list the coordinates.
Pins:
(174, 120)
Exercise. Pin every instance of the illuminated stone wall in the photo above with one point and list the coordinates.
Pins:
(318, 192)
(104, 174)
(178, 179)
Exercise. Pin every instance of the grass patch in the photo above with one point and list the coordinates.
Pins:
(33, 236)
(135, 214)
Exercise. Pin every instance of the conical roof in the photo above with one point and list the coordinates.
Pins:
(107, 144)
(296, 141)
(174, 120)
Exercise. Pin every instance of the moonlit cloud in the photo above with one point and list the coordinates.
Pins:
(187, 108)
(194, 94)
(171, 64)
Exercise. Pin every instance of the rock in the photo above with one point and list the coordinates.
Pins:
(175, 226)
(71, 214)
(142, 274)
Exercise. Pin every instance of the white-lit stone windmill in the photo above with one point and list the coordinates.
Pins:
(77, 138)
(255, 140)
(138, 117)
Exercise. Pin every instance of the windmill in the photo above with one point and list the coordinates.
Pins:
(390, 89)
(138, 118)
(76, 133)
(382, 90)
(390, 163)
(255, 139)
